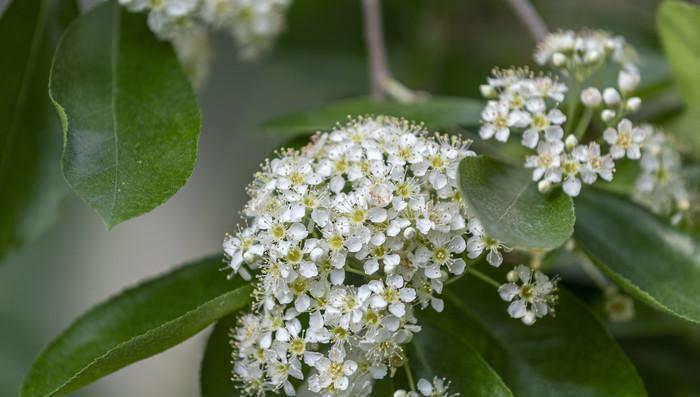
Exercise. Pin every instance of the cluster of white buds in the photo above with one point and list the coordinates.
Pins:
(579, 54)
(522, 102)
(375, 200)
(661, 185)
(254, 24)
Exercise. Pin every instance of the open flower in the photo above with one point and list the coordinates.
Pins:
(531, 293)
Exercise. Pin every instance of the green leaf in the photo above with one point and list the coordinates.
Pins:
(136, 324)
(130, 117)
(570, 355)
(436, 113)
(435, 352)
(678, 24)
(215, 374)
(30, 138)
(643, 254)
(511, 208)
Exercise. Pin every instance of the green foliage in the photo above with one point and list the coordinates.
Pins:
(511, 208)
(436, 353)
(678, 25)
(643, 254)
(569, 355)
(30, 140)
(130, 118)
(215, 374)
(436, 113)
(136, 324)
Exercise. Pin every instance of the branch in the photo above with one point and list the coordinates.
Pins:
(530, 18)
(374, 38)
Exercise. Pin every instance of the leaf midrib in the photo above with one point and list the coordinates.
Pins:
(27, 76)
(116, 31)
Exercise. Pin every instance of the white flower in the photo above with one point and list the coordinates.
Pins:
(591, 97)
(546, 164)
(594, 164)
(627, 81)
(625, 140)
(480, 242)
(437, 388)
(530, 298)
(332, 370)
(498, 119)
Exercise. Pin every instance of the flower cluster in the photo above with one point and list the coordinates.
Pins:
(567, 153)
(661, 185)
(581, 53)
(437, 388)
(254, 24)
(348, 236)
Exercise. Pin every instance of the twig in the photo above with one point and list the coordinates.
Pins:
(374, 37)
(530, 18)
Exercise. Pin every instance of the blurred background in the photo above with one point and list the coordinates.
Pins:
(441, 46)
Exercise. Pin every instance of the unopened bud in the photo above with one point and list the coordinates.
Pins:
(512, 276)
(558, 59)
(627, 81)
(592, 57)
(409, 233)
(591, 97)
(570, 142)
(607, 115)
(611, 96)
(488, 91)
(633, 104)
(544, 186)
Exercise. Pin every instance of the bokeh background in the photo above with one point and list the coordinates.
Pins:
(440, 46)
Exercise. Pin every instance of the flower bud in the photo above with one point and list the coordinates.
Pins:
(611, 96)
(544, 186)
(627, 81)
(570, 142)
(607, 115)
(488, 91)
(633, 104)
(249, 257)
(409, 233)
(591, 97)
(558, 59)
(592, 57)
(512, 276)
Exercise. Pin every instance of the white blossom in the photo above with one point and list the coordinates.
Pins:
(531, 293)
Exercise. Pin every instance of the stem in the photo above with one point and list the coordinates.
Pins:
(583, 123)
(592, 271)
(484, 277)
(374, 38)
(409, 375)
(571, 110)
(530, 18)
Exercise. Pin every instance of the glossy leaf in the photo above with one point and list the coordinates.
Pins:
(643, 254)
(678, 24)
(215, 374)
(136, 324)
(130, 117)
(30, 137)
(569, 355)
(511, 208)
(436, 113)
(434, 352)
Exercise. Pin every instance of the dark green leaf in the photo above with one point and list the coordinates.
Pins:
(434, 352)
(435, 112)
(511, 208)
(130, 118)
(215, 376)
(643, 254)
(569, 355)
(136, 324)
(30, 137)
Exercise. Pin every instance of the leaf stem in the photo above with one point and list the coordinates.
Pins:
(376, 49)
(592, 271)
(583, 123)
(484, 277)
(530, 18)
(409, 375)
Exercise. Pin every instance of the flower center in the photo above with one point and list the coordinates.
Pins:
(278, 231)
